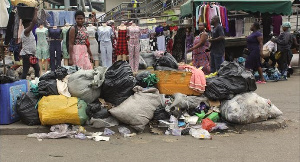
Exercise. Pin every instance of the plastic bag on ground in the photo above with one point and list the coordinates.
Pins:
(118, 84)
(142, 64)
(140, 78)
(200, 133)
(123, 131)
(168, 61)
(248, 108)
(58, 109)
(185, 102)
(207, 124)
(233, 79)
(138, 109)
(102, 123)
(149, 58)
(96, 110)
(108, 132)
(61, 72)
(48, 76)
(47, 87)
(62, 86)
(27, 109)
(86, 84)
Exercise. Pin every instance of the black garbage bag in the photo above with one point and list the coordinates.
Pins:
(97, 111)
(48, 76)
(26, 108)
(118, 84)
(140, 78)
(48, 87)
(61, 72)
(6, 79)
(233, 79)
(168, 61)
(161, 114)
(142, 63)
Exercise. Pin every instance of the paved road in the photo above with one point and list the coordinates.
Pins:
(278, 145)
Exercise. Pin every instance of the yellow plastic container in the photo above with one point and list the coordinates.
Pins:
(171, 82)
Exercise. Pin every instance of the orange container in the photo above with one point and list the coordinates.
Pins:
(171, 82)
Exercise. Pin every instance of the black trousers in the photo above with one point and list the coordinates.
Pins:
(26, 66)
(55, 46)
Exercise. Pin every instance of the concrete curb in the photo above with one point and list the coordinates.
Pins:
(19, 128)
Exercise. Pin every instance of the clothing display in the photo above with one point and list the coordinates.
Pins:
(80, 55)
(59, 18)
(200, 56)
(10, 28)
(134, 47)
(145, 45)
(205, 12)
(104, 35)
(114, 44)
(153, 44)
(239, 24)
(161, 43)
(122, 46)
(276, 22)
(93, 42)
(42, 47)
(4, 16)
(253, 60)
(55, 48)
(65, 53)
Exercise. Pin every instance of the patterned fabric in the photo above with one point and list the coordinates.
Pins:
(144, 33)
(42, 48)
(81, 36)
(200, 57)
(145, 45)
(64, 44)
(153, 44)
(81, 57)
(134, 47)
(122, 46)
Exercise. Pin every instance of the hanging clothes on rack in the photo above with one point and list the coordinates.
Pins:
(205, 12)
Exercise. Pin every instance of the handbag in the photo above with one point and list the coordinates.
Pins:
(277, 55)
(33, 60)
(266, 52)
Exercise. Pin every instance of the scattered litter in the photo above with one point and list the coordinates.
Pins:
(108, 132)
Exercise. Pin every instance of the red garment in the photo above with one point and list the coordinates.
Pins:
(170, 46)
(207, 18)
(122, 47)
(174, 28)
(222, 16)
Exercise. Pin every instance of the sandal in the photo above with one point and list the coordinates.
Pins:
(261, 82)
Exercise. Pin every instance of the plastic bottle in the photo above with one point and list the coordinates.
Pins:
(214, 116)
(201, 116)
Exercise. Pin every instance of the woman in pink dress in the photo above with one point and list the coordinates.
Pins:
(80, 53)
(200, 46)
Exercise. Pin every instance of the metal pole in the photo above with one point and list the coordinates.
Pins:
(67, 4)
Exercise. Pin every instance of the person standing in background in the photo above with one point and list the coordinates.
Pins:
(255, 48)
(217, 48)
(29, 46)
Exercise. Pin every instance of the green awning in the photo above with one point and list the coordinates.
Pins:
(283, 7)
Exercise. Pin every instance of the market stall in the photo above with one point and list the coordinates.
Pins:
(236, 43)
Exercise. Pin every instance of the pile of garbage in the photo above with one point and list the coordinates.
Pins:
(103, 98)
